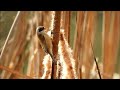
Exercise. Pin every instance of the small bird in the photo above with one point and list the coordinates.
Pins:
(45, 41)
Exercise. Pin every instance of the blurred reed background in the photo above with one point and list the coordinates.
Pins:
(23, 57)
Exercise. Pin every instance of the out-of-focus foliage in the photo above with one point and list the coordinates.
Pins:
(6, 20)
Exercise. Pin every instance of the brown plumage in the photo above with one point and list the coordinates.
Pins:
(45, 41)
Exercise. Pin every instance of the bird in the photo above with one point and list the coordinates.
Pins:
(45, 41)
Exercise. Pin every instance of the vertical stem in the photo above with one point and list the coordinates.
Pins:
(67, 25)
(110, 42)
(56, 31)
(77, 41)
(89, 36)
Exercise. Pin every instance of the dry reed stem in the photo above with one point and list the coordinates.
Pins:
(106, 27)
(14, 72)
(89, 38)
(67, 25)
(38, 18)
(46, 19)
(21, 42)
(77, 41)
(86, 33)
(5, 57)
(21, 47)
(18, 67)
(82, 38)
(62, 19)
(47, 63)
(97, 66)
(35, 42)
(15, 44)
(52, 17)
(56, 31)
(110, 41)
(36, 58)
(32, 62)
(68, 69)
(12, 27)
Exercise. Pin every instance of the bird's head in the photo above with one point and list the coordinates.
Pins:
(39, 29)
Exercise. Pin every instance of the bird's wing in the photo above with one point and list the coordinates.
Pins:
(44, 46)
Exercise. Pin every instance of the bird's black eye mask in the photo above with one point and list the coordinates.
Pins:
(40, 29)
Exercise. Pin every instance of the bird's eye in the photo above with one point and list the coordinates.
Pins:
(40, 29)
